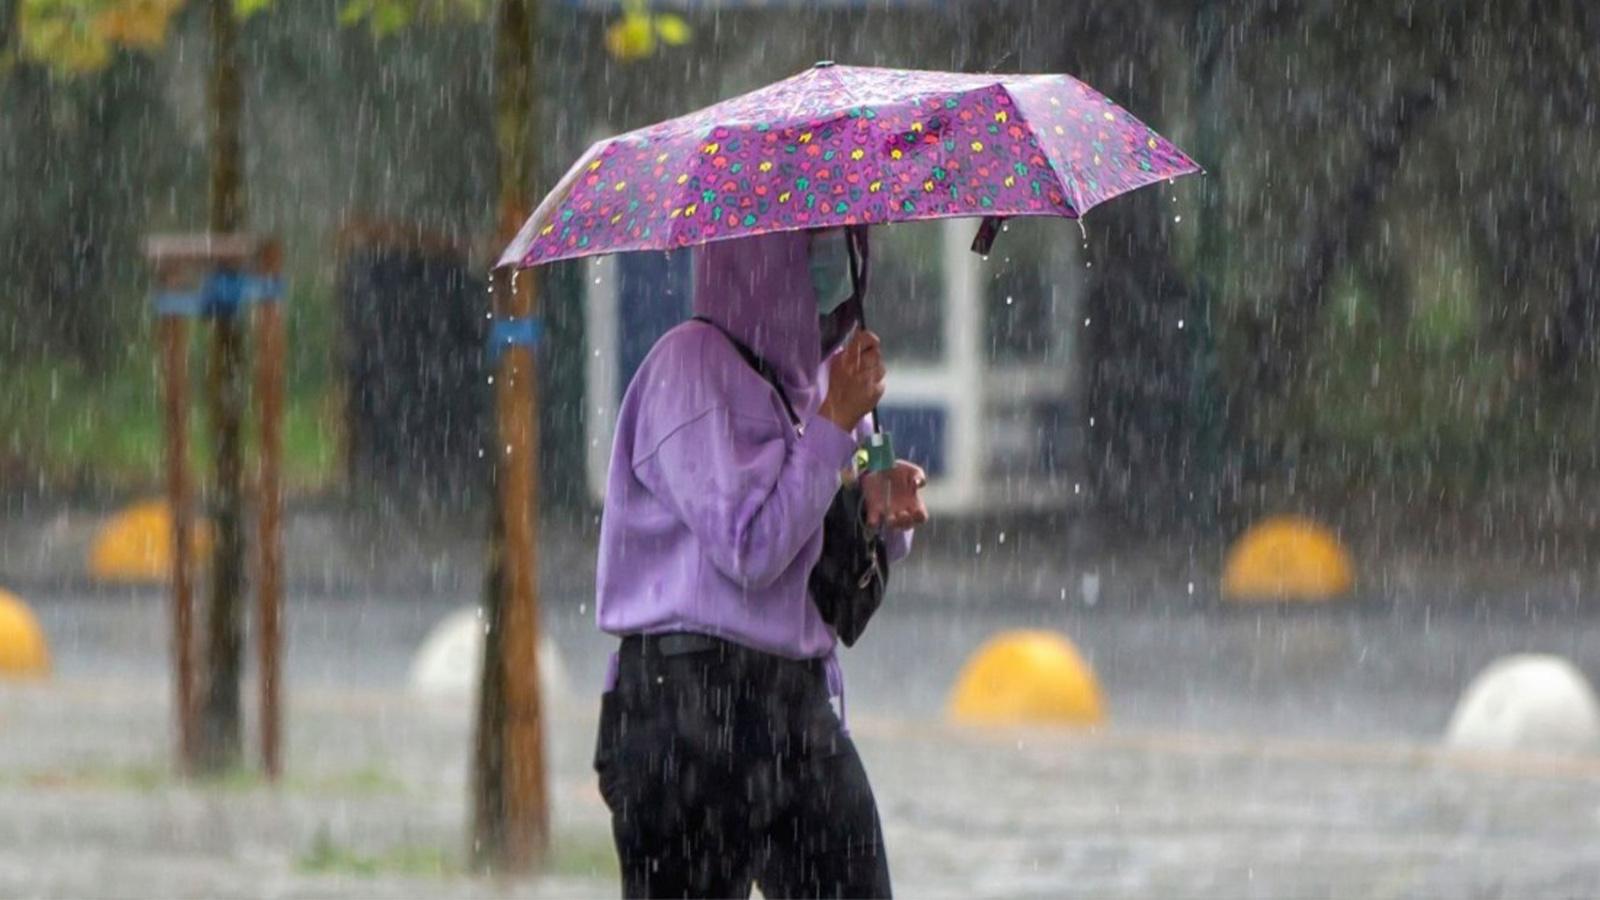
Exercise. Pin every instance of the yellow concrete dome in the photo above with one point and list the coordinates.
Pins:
(1026, 677)
(1286, 558)
(23, 651)
(135, 545)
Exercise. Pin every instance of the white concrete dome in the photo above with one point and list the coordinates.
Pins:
(1527, 702)
(450, 660)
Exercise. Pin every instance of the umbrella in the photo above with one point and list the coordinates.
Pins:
(849, 146)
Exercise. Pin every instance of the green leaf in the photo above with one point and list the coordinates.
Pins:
(354, 11)
(390, 16)
(673, 30)
(244, 9)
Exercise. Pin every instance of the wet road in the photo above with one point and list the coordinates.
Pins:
(1355, 673)
(374, 800)
(1275, 754)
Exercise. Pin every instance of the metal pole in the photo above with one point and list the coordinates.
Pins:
(269, 391)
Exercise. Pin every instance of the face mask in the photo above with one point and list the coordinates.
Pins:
(830, 270)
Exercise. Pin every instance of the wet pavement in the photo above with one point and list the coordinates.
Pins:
(374, 805)
(1250, 754)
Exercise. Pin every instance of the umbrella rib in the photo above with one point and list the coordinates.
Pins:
(842, 85)
(1075, 203)
(523, 242)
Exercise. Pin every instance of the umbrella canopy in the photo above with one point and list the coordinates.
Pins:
(844, 145)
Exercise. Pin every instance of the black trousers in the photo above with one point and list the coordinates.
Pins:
(725, 767)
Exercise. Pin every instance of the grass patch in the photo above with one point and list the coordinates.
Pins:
(103, 430)
(326, 856)
(585, 855)
(368, 781)
(137, 778)
(74, 426)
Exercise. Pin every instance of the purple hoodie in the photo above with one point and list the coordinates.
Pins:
(714, 504)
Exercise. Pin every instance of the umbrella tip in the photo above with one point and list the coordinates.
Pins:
(823, 64)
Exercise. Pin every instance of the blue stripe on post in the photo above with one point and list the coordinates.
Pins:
(221, 294)
(179, 303)
(227, 291)
(524, 332)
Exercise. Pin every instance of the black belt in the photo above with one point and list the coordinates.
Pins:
(677, 643)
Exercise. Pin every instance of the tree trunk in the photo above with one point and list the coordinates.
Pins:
(226, 390)
(1343, 227)
(488, 757)
(1144, 346)
(8, 31)
(1140, 370)
(511, 816)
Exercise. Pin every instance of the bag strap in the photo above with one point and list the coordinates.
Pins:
(762, 367)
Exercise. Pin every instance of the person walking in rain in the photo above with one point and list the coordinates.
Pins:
(722, 750)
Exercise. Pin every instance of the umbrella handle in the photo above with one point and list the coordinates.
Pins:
(855, 241)
(880, 446)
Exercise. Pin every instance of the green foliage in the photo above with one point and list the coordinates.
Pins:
(73, 425)
(1418, 396)
(79, 36)
(76, 37)
(385, 17)
(102, 430)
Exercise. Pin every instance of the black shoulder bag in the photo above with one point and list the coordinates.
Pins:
(850, 578)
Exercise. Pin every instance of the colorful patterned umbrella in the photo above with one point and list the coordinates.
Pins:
(842, 145)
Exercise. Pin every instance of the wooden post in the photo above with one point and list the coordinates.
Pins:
(226, 386)
(526, 813)
(511, 812)
(207, 673)
(269, 597)
(175, 371)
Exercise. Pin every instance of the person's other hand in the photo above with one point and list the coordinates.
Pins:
(855, 381)
(895, 497)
